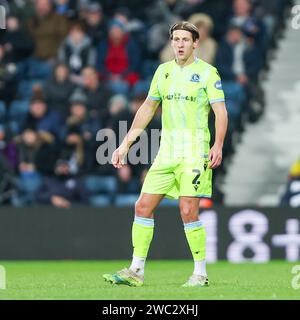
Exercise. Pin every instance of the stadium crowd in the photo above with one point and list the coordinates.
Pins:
(69, 68)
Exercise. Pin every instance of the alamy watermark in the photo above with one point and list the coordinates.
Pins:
(2, 17)
(296, 279)
(2, 278)
(295, 23)
(177, 143)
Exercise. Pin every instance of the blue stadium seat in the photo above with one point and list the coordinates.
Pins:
(100, 201)
(168, 203)
(123, 200)
(101, 184)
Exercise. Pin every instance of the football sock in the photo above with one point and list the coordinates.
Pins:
(142, 234)
(138, 265)
(196, 237)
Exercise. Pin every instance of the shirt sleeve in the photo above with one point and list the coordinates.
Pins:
(214, 88)
(153, 93)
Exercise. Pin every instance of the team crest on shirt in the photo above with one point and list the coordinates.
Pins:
(195, 77)
(218, 85)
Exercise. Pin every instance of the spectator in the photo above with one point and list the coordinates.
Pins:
(132, 25)
(95, 23)
(238, 59)
(8, 163)
(243, 17)
(97, 94)
(22, 9)
(239, 62)
(118, 111)
(118, 59)
(48, 30)
(64, 189)
(76, 51)
(72, 150)
(66, 8)
(43, 119)
(8, 151)
(16, 41)
(160, 16)
(58, 89)
(34, 154)
(219, 11)
(80, 119)
(130, 177)
(8, 79)
(291, 196)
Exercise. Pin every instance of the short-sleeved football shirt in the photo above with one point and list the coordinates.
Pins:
(186, 94)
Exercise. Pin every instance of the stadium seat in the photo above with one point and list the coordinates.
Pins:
(123, 200)
(100, 201)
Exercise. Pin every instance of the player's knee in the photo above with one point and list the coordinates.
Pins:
(142, 209)
(188, 212)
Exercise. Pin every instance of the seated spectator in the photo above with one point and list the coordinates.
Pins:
(22, 9)
(16, 41)
(80, 119)
(58, 89)
(95, 23)
(239, 61)
(8, 163)
(118, 59)
(130, 177)
(237, 58)
(97, 93)
(48, 30)
(8, 78)
(8, 152)
(160, 15)
(66, 8)
(35, 152)
(43, 119)
(64, 189)
(118, 111)
(244, 18)
(72, 150)
(291, 197)
(207, 45)
(132, 25)
(76, 51)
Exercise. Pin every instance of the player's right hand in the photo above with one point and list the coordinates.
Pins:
(118, 157)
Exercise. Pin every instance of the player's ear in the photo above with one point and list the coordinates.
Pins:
(196, 44)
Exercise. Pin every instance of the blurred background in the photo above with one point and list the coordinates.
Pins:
(69, 68)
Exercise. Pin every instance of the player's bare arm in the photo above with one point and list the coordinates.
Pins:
(221, 122)
(140, 122)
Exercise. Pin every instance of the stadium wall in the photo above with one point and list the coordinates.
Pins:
(234, 234)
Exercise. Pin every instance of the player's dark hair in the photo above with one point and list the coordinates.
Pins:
(187, 26)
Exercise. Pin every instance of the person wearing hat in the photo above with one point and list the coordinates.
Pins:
(95, 23)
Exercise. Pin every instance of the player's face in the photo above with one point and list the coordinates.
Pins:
(183, 44)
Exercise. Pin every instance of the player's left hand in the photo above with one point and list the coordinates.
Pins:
(215, 156)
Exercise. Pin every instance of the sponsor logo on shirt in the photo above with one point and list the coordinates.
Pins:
(218, 85)
(178, 96)
(195, 77)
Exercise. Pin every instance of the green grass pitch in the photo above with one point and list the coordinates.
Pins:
(83, 280)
